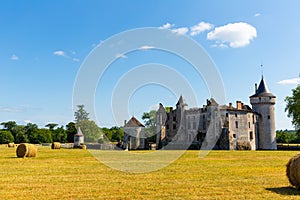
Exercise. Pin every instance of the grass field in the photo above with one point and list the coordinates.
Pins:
(76, 174)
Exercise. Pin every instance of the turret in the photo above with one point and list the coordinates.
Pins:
(263, 102)
(161, 118)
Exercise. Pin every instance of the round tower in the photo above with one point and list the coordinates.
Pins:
(263, 102)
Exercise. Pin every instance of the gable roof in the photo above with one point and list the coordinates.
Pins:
(133, 122)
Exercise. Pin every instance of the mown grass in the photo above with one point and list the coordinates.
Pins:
(76, 174)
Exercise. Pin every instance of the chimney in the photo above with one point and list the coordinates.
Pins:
(238, 105)
(255, 88)
(230, 105)
(125, 122)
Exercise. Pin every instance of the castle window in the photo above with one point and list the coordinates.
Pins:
(252, 119)
(194, 125)
(203, 116)
(236, 124)
(174, 126)
(174, 118)
(249, 124)
(269, 117)
(167, 126)
(189, 125)
(251, 135)
(235, 115)
(234, 135)
(226, 114)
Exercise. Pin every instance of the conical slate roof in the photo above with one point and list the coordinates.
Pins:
(133, 122)
(263, 90)
(181, 101)
(79, 132)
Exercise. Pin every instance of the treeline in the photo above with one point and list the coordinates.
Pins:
(31, 133)
(288, 136)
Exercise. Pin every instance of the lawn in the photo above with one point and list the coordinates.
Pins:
(76, 174)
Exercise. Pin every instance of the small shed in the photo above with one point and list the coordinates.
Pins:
(78, 138)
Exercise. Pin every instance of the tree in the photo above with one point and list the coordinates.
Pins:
(81, 114)
(6, 137)
(293, 106)
(20, 135)
(90, 130)
(71, 131)
(149, 122)
(59, 135)
(10, 125)
(43, 136)
(51, 126)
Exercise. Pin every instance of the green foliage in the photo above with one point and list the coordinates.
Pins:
(149, 122)
(287, 136)
(293, 106)
(59, 135)
(71, 131)
(6, 137)
(114, 134)
(10, 125)
(90, 130)
(43, 136)
(51, 126)
(81, 114)
(19, 133)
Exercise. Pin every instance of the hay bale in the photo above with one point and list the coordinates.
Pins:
(293, 171)
(55, 145)
(26, 150)
(82, 146)
(11, 145)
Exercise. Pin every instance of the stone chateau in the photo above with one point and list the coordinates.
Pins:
(213, 126)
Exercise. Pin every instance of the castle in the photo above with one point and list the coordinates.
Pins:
(214, 126)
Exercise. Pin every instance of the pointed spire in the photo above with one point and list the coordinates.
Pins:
(262, 90)
(181, 101)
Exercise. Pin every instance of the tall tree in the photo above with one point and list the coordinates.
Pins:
(81, 114)
(71, 131)
(149, 122)
(6, 137)
(51, 126)
(293, 106)
(90, 130)
(9, 125)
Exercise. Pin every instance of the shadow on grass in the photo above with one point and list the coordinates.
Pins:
(285, 191)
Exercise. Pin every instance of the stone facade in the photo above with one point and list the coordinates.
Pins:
(134, 137)
(217, 126)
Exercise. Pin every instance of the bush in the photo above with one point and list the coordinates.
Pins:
(243, 145)
(6, 137)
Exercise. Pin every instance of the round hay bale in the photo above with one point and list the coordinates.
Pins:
(293, 171)
(26, 150)
(55, 145)
(82, 146)
(11, 145)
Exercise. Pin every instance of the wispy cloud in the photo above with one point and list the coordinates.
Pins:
(14, 57)
(11, 109)
(119, 55)
(235, 34)
(292, 81)
(257, 15)
(146, 47)
(201, 27)
(76, 59)
(60, 53)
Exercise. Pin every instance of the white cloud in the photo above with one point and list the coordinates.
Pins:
(235, 34)
(76, 59)
(201, 27)
(154, 107)
(257, 15)
(11, 109)
(166, 26)
(146, 47)
(119, 55)
(14, 57)
(27, 121)
(60, 53)
(292, 81)
(180, 31)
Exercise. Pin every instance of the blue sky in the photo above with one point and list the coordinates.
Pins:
(44, 43)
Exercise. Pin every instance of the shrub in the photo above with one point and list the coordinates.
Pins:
(6, 137)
